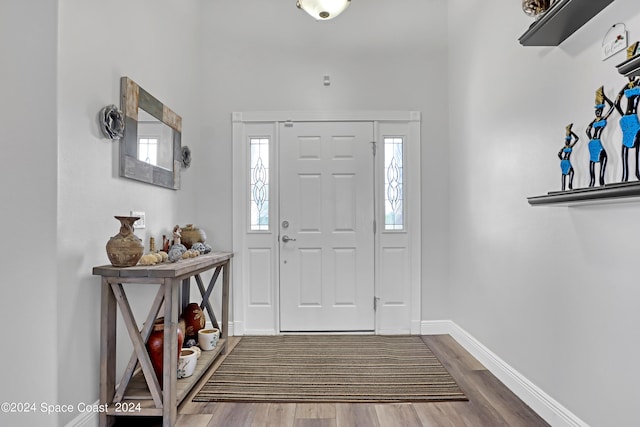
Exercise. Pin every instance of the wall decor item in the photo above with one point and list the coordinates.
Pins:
(151, 148)
(597, 153)
(186, 157)
(192, 234)
(614, 40)
(565, 154)
(125, 248)
(112, 122)
(629, 124)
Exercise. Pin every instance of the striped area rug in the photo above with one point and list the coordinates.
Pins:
(330, 368)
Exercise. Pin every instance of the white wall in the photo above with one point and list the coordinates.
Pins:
(156, 43)
(552, 290)
(28, 121)
(268, 55)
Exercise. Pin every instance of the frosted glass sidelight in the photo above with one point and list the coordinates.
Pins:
(259, 183)
(393, 183)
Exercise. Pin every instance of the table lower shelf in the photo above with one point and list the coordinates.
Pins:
(137, 400)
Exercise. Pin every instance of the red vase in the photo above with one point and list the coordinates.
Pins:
(155, 346)
(194, 320)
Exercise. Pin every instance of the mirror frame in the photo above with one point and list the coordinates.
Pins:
(132, 97)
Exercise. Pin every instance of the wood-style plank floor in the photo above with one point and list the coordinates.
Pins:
(490, 404)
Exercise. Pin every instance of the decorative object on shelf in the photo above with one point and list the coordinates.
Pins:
(191, 234)
(190, 253)
(563, 18)
(200, 247)
(177, 235)
(565, 153)
(186, 157)
(633, 50)
(165, 243)
(629, 124)
(125, 248)
(155, 345)
(194, 320)
(149, 259)
(535, 8)
(112, 122)
(152, 244)
(194, 347)
(208, 338)
(614, 40)
(323, 10)
(176, 252)
(187, 362)
(597, 153)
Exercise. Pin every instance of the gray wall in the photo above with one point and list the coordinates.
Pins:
(28, 308)
(551, 290)
(155, 43)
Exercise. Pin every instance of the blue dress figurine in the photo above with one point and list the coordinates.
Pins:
(629, 124)
(565, 154)
(597, 153)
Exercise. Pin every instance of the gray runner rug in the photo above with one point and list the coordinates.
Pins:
(330, 368)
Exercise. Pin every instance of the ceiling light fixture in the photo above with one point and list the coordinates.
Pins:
(323, 10)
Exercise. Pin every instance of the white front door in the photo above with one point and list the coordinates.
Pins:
(326, 226)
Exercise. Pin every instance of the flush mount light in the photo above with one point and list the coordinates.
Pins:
(323, 10)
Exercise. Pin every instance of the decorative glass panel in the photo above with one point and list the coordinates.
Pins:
(259, 183)
(393, 183)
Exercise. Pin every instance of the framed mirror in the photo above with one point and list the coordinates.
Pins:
(150, 150)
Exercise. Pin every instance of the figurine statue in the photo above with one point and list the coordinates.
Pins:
(177, 235)
(597, 153)
(629, 124)
(633, 50)
(564, 154)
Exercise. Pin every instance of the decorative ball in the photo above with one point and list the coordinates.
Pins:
(164, 256)
(207, 248)
(149, 259)
(198, 246)
(175, 253)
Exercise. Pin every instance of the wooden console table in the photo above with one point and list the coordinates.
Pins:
(139, 393)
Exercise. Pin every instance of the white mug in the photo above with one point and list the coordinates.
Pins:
(187, 362)
(208, 338)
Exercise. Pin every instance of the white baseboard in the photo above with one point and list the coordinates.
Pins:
(85, 419)
(543, 404)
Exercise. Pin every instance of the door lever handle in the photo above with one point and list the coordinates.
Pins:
(286, 239)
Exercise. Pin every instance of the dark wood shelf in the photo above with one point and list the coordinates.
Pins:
(630, 67)
(560, 21)
(609, 193)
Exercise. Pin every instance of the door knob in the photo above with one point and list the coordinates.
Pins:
(286, 239)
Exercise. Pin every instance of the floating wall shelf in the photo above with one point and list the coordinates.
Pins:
(561, 20)
(630, 67)
(608, 193)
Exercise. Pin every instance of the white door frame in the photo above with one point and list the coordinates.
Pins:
(255, 289)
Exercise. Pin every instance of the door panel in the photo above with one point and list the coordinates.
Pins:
(326, 209)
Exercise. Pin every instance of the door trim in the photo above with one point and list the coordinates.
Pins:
(251, 317)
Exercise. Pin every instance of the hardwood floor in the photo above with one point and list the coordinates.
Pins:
(490, 404)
